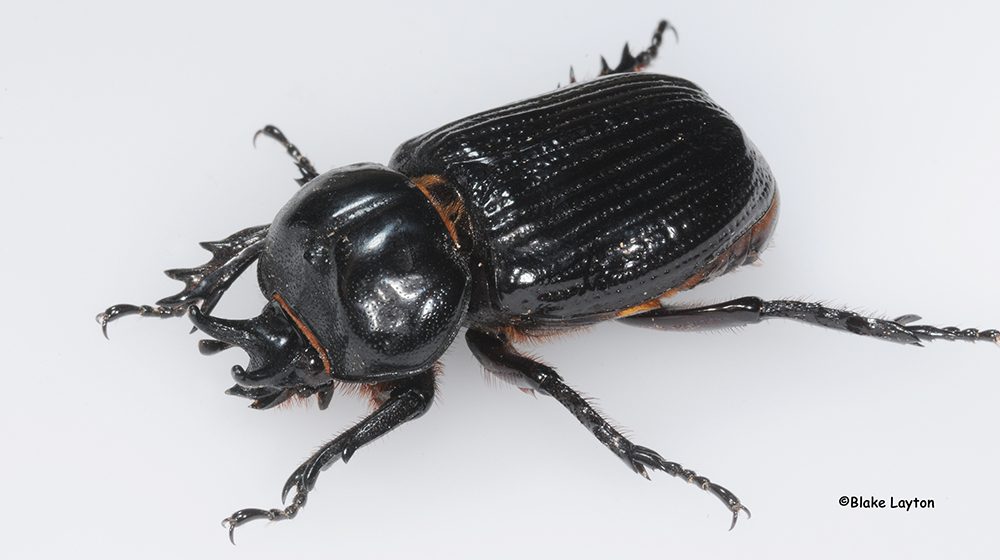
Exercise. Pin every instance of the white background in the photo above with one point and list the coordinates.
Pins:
(125, 139)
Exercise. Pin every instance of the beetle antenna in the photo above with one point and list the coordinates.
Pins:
(302, 162)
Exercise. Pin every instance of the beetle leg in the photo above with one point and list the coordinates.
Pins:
(302, 162)
(408, 398)
(497, 355)
(206, 283)
(750, 310)
(122, 309)
(636, 63)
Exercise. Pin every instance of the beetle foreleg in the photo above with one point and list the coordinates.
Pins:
(206, 283)
(750, 310)
(409, 398)
(497, 355)
(122, 309)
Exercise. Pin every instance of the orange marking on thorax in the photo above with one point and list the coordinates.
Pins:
(313, 341)
(449, 205)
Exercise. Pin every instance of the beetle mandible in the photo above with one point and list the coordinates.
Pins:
(591, 203)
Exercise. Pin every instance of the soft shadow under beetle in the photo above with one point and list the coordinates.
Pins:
(590, 203)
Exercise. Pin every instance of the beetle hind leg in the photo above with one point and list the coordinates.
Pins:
(407, 399)
(496, 354)
(750, 310)
(630, 63)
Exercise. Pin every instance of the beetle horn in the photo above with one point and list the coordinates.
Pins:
(270, 339)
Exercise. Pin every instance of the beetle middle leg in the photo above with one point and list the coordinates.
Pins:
(750, 310)
(407, 399)
(302, 162)
(496, 354)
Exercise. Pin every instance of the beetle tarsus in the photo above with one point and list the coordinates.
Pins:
(645, 57)
(302, 162)
(750, 310)
(122, 309)
(927, 332)
(637, 63)
(243, 516)
(898, 330)
(497, 355)
(643, 456)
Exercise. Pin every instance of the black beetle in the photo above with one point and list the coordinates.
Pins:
(590, 203)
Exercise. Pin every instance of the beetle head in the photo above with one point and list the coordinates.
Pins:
(282, 362)
(365, 284)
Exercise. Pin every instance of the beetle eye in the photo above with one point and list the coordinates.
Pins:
(310, 367)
